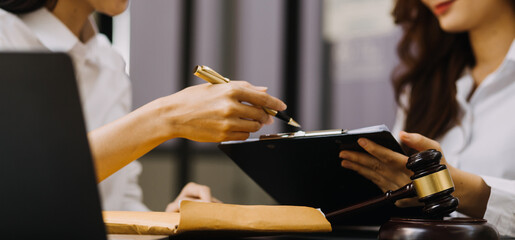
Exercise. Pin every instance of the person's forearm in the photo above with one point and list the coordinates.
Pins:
(115, 145)
(203, 113)
(472, 192)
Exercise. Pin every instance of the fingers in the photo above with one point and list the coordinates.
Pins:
(204, 193)
(257, 98)
(235, 136)
(381, 153)
(225, 130)
(269, 120)
(175, 206)
(418, 142)
(246, 93)
(421, 143)
(248, 85)
(239, 125)
(197, 191)
(192, 192)
(362, 159)
(260, 88)
(252, 113)
(172, 207)
(366, 172)
(380, 165)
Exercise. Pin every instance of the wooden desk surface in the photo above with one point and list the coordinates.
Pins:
(337, 236)
(286, 237)
(135, 237)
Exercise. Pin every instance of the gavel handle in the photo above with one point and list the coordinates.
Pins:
(407, 191)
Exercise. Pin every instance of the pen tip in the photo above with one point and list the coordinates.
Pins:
(293, 123)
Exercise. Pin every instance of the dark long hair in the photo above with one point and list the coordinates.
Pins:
(431, 61)
(21, 6)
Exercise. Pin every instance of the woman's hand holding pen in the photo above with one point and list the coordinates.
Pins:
(215, 113)
(203, 113)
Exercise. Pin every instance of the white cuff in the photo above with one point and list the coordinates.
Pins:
(500, 210)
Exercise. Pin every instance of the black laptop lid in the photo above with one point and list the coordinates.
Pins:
(47, 180)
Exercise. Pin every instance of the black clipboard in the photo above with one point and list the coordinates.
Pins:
(304, 169)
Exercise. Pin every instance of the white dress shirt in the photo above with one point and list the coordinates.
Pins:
(104, 86)
(484, 141)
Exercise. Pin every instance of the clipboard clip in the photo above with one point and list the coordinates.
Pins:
(303, 134)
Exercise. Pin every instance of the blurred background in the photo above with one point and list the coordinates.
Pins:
(329, 60)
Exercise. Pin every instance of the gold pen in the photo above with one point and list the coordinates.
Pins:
(213, 77)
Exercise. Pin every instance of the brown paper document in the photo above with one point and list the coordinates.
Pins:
(216, 217)
(143, 223)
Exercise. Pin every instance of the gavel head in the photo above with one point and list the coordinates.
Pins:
(433, 183)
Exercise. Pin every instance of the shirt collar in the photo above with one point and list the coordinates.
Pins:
(50, 31)
(466, 83)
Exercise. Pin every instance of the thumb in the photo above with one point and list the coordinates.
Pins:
(418, 142)
(172, 207)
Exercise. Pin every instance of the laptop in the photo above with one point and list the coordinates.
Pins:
(48, 186)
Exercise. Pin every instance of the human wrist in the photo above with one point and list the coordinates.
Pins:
(150, 119)
(166, 121)
(472, 191)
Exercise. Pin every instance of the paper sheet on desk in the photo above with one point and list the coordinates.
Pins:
(196, 217)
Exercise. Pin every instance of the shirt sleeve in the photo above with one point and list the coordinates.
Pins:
(133, 195)
(3, 42)
(10, 31)
(500, 210)
(2, 32)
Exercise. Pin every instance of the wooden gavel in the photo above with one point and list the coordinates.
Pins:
(431, 183)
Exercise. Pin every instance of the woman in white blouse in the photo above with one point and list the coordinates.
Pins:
(455, 84)
(206, 113)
